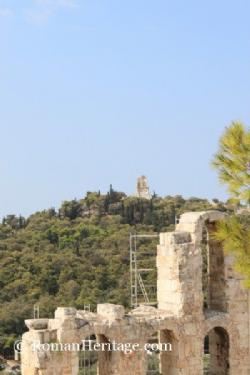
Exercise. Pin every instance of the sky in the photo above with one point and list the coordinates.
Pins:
(94, 93)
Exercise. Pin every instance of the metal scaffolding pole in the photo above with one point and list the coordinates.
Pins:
(137, 284)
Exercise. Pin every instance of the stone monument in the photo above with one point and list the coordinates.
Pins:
(143, 188)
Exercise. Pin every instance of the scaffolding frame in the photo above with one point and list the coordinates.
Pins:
(87, 307)
(36, 312)
(136, 281)
(86, 357)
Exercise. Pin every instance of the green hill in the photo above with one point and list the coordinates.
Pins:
(77, 255)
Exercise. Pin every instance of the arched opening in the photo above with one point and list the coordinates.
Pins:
(169, 354)
(153, 353)
(162, 353)
(216, 352)
(104, 355)
(95, 355)
(213, 270)
(88, 358)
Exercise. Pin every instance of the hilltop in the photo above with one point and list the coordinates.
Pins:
(78, 254)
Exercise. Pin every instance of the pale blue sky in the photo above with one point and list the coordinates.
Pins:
(99, 92)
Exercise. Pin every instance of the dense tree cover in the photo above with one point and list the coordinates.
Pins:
(77, 255)
(233, 164)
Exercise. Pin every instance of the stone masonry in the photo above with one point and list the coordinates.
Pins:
(182, 318)
(142, 188)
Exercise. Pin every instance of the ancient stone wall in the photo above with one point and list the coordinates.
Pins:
(184, 317)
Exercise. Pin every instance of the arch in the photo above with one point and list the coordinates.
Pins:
(216, 352)
(95, 356)
(169, 358)
(153, 354)
(88, 358)
(202, 226)
(104, 355)
(213, 270)
(163, 358)
(193, 222)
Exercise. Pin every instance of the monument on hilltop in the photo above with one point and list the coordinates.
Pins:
(142, 190)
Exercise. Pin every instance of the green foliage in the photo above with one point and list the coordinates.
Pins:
(78, 255)
(233, 161)
(234, 232)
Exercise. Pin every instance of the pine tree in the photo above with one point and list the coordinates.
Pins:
(234, 232)
(233, 161)
(233, 164)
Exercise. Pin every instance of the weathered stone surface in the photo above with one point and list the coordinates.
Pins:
(111, 311)
(142, 189)
(62, 312)
(180, 318)
(37, 323)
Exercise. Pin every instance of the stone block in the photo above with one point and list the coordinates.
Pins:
(37, 324)
(110, 311)
(64, 312)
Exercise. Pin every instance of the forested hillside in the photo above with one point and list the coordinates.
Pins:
(77, 255)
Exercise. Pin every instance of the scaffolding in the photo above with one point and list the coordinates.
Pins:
(36, 312)
(88, 358)
(87, 307)
(141, 291)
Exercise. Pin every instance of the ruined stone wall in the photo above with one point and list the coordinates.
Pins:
(179, 287)
(181, 317)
